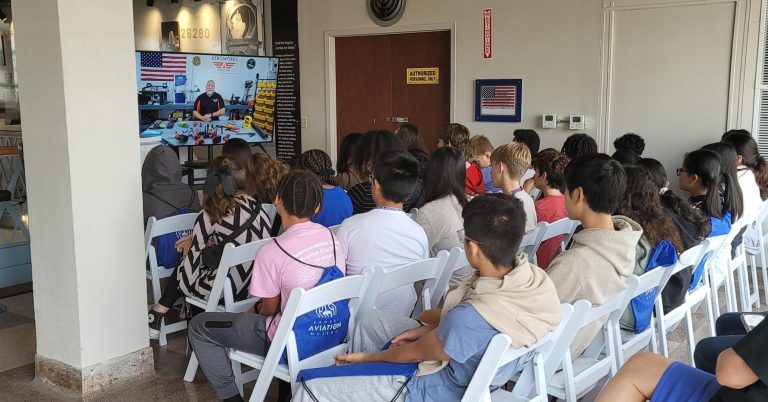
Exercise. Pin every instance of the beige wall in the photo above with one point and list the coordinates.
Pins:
(189, 14)
(553, 45)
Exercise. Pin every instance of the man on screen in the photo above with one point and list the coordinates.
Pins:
(209, 105)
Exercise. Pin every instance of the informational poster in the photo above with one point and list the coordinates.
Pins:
(285, 38)
(422, 76)
(242, 23)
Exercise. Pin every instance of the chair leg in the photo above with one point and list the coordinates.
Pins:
(163, 339)
(754, 297)
(764, 268)
(192, 366)
(663, 335)
(710, 314)
(237, 370)
(691, 339)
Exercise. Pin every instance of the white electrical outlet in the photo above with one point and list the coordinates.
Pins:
(549, 121)
(577, 122)
(303, 121)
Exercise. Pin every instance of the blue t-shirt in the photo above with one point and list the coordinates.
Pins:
(337, 206)
(488, 182)
(465, 335)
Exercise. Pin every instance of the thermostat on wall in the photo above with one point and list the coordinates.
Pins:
(549, 121)
(577, 122)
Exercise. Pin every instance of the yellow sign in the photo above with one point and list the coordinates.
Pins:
(423, 76)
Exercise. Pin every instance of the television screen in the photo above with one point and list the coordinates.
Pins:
(174, 85)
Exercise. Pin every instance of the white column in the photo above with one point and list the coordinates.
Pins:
(77, 86)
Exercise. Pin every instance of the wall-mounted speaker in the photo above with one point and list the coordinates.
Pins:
(386, 12)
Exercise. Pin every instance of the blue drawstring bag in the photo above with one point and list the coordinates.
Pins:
(663, 255)
(720, 226)
(165, 245)
(326, 326)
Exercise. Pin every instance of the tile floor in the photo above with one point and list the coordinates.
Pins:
(170, 362)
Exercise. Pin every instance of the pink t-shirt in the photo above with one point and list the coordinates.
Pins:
(274, 273)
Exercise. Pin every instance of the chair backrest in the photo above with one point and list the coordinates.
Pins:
(495, 358)
(455, 260)
(302, 301)
(689, 258)
(232, 255)
(158, 227)
(531, 240)
(564, 227)
(386, 279)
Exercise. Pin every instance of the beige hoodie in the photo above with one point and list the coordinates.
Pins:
(595, 267)
(523, 304)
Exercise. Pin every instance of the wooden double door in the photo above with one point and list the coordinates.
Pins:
(372, 89)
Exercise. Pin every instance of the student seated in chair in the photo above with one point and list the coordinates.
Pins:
(295, 259)
(602, 257)
(509, 295)
(741, 375)
(386, 236)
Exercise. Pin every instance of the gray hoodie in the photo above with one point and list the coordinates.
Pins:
(596, 268)
(163, 191)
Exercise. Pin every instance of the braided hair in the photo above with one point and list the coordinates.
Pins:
(301, 193)
(319, 163)
(578, 145)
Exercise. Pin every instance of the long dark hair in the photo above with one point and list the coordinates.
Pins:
(642, 203)
(346, 150)
(732, 197)
(746, 147)
(371, 145)
(672, 201)
(409, 133)
(239, 149)
(445, 175)
(707, 166)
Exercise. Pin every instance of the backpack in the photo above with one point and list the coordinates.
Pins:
(663, 255)
(165, 245)
(326, 326)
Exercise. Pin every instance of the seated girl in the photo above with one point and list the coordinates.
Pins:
(549, 166)
(238, 149)
(508, 296)
(641, 203)
(295, 259)
(337, 205)
(444, 197)
(348, 176)
(228, 211)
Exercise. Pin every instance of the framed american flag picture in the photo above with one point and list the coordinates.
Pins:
(498, 100)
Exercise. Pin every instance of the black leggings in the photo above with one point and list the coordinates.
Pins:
(171, 292)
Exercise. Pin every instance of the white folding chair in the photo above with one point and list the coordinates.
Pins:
(500, 353)
(666, 322)
(222, 288)
(300, 302)
(750, 293)
(386, 279)
(564, 227)
(155, 272)
(723, 276)
(629, 343)
(582, 374)
(455, 260)
(530, 241)
(412, 213)
(762, 217)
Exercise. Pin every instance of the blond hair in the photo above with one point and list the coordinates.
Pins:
(515, 156)
(478, 145)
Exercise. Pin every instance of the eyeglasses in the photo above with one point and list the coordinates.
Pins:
(679, 170)
(371, 178)
(464, 238)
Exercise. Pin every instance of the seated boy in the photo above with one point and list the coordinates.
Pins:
(509, 162)
(741, 375)
(550, 167)
(602, 256)
(509, 295)
(386, 236)
(294, 259)
(479, 151)
(531, 139)
(457, 136)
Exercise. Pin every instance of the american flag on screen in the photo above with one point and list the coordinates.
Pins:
(162, 66)
(498, 99)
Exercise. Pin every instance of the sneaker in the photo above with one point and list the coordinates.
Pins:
(155, 320)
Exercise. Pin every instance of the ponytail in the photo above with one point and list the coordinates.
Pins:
(760, 169)
(731, 201)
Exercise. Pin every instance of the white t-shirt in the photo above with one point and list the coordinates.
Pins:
(384, 238)
(530, 210)
(749, 190)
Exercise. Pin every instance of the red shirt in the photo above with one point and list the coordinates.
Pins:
(549, 209)
(474, 183)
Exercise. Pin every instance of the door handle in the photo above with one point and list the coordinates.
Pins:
(396, 119)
